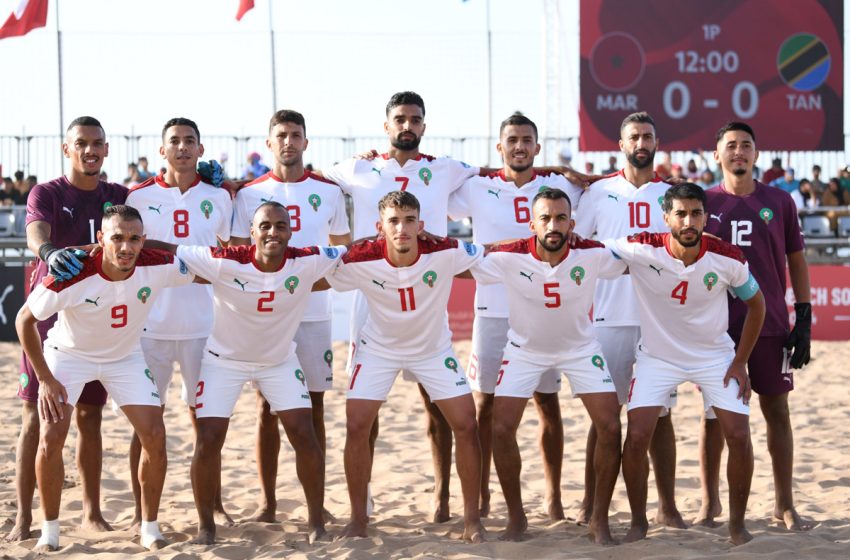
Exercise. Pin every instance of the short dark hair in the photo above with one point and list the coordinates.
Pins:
(181, 121)
(548, 193)
(518, 119)
(269, 204)
(405, 98)
(84, 121)
(123, 211)
(287, 115)
(639, 117)
(735, 125)
(398, 199)
(683, 191)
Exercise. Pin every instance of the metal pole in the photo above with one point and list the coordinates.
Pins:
(489, 86)
(274, 69)
(61, 99)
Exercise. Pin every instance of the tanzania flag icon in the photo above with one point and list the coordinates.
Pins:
(803, 62)
(617, 61)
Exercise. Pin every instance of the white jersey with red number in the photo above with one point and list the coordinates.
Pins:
(198, 216)
(101, 320)
(683, 310)
(612, 208)
(407, 305)
(549, 305)
(430, 179)
(316, 210)
(500, 210)
(256, 312)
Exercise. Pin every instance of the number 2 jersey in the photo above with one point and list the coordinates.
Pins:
(256, 312)
(198, 216)
(683, 310)
(408, 305)
(500, 210)
(549, 305)
(612, 208)
(101, 320)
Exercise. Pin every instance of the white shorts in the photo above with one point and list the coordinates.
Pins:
(489, 338)
(655, 379)
(128, 381)
(221, 382)
(372, 376)
(619, 345)
(161, 355)
(521, 373)
(313, 348)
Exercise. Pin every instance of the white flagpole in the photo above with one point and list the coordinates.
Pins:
(274, 69)
(59, 65)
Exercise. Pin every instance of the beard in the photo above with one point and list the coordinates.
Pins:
(677, 235)
(552, 246)
(633, 159)
(521, 168)
(405, 145)
(740, 172)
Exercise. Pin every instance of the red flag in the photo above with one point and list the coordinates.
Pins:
(29, 15)
(244, 6)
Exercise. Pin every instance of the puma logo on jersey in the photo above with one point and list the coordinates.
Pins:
(615, 197)
(494, 193)
(241, 284)
(529, 275)
(155, 209)
(656, 269)
(93, 301)
(70, 211)
(376, 170)
(381, 284)
(715, 217)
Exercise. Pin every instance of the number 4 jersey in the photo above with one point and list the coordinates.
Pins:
(256, 312)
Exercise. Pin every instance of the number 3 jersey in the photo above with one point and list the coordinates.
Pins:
(101, 320)
(408, 305)
(683, 311)
(500, 210)
(549, 305)
(199, 216)
(614, 208)
(256, 312)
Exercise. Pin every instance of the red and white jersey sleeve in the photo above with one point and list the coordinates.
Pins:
(101, 320)
(199, 216)
(256, 312)
(430, 179)
(683, 310)
(549, 305)
(407, 305)
(614, 208)
(500, 210)
(316, 209)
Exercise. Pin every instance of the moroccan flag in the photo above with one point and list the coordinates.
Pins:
(27, 16)
(244, 6)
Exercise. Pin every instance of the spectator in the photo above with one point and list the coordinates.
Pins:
(103, 176)
(706, 180)
(255, 167)
(692, 172)
(803, 196)
(665, 168)
(19, 184)
(7, 192)
(676, 172)
(775, 172)
(818, 186)
(834, 195)
(588, 167)
(787, 183)
(144, 174)
(132, 179)
(19, 195)
(844, 178)
(612, 166)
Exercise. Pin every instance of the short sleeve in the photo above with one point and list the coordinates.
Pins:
(226, 218)
(178, 274)
(466, 255)
(488, 270)
(610, 266)
(622, 248)
(342, 174)
(199, 260)
(459, 202)
(44, 303)
(459, 172)
(339, 221)
(328, 259)
(40, 207)
(343, 277)
(241, 218)
(793, 235)
(586, 216)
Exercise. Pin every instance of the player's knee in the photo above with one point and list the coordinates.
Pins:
(608, 429)
(775, 410)
(152, 438)
(638, 437)
(301, 433)
(738, 435)
(89, 418)
(51, 441)
(358, 427)
(502, 431)
(209, 440)
(30, 424)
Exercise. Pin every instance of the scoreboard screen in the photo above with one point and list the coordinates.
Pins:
(696, 64)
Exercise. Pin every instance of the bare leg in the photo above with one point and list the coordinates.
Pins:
(636, 466)
(50, 468)
(484, 415)
(780, 444)
(89, 463)
(739, 470)
(268, 448)
(206, 466)
(662, 450)
(25, 471)
(710, 453)
(440, 435)
(604, 411)
(586, 509)
(552, 445)
(507, 414)
(309, 465)
(360, 420)
(459, 413)
(135, 456)
(220, 515)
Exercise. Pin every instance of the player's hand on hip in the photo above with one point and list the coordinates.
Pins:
(738, 373)
(52, 397)
(799, 342)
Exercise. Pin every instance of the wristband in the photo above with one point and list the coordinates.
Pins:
(45, 249)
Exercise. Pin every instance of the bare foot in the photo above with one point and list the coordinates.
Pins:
(584, 513)
(636, 532)
(671, 519)
(97, 523)
(354, 529)
(21, 530)
(600, 533)
(222, 518)
(739, 535)
(441, 511)
(264, 515)
(316, 534)
(793, 521)
(706, 515)
(474, 533)
(555, 509)
(136, 523)
(484, 509)
(515, 530)
(205, 537)
(327, 516)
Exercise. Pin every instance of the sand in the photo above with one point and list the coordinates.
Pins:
(402, 485)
